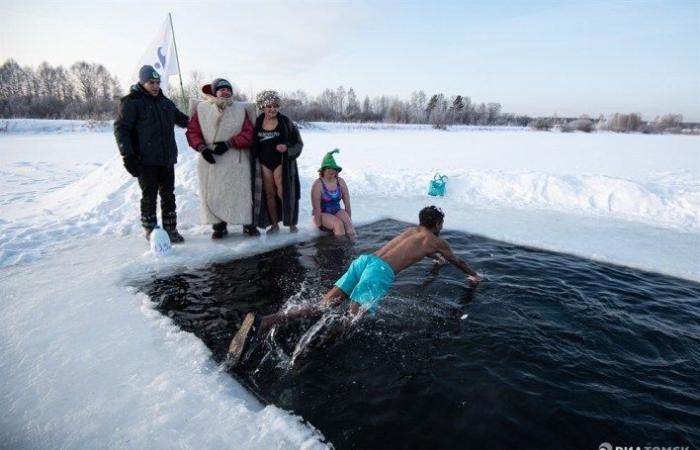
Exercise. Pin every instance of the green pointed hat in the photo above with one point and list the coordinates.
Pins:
(329, 162)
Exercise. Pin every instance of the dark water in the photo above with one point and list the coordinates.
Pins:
(556, 351)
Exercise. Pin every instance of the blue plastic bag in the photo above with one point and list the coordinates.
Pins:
(438, 185)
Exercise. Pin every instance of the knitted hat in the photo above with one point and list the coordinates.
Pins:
(220, 83)
(148, 73)
(329, 162)
(268, 97)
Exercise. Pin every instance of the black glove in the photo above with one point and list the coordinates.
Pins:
(208, 157)
(220, 148)
(132, 165)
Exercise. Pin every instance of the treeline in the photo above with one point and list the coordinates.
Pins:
(82, 91)
(619, 123)
(344, 105)
(341, 105)
(88, 91)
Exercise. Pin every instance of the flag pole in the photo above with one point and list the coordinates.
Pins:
(177, 58)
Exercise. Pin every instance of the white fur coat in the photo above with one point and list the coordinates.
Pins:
(225, 187)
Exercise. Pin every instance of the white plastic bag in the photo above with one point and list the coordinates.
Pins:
(160, 242)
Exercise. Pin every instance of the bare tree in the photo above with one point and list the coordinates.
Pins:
(11, 80)
(87, 78)
(366, 107)
(353, 109)
(623, 123)
(396, 112)
(669, 123)
(417, 107)
(328, 100)
(340, 99)
(194, 84)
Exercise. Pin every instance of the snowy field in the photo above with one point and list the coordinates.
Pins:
(85, 362)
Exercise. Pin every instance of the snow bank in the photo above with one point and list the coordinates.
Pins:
(586, 195)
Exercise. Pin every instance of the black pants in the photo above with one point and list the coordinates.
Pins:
(154, 180)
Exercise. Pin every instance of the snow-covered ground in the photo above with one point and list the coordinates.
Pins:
(86, 362)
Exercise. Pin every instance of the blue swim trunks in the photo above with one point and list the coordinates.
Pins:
(367, 281)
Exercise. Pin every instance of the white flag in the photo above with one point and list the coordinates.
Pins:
(161, 55)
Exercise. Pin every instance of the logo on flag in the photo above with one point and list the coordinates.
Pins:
(161, 55)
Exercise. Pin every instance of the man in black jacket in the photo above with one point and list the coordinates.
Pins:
(146, 140)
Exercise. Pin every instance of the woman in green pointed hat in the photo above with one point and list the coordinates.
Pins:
(326, 194)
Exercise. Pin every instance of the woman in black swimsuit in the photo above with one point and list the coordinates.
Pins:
(277, 144)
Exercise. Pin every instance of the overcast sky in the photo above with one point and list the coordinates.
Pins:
(534, 57)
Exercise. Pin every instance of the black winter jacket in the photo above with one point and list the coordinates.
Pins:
(144, 127)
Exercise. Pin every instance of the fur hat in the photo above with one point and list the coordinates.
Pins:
(268, 97)
(328, 161)
(148, 73)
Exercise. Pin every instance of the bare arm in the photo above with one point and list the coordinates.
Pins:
(316, 202)
(437, 258)
(346, 196)
(444, 249)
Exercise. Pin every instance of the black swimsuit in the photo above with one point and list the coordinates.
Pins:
(269, 157)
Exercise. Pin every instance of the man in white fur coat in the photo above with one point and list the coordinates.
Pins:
(221, 130)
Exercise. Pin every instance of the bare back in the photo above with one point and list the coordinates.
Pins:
(408, 248)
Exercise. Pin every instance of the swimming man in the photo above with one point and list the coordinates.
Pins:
(368, 278)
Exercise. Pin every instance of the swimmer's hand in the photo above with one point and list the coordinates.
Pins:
(474, 280)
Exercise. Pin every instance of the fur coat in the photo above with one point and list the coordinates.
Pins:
(226, 186)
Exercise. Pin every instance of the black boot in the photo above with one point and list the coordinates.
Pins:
(251, 230)
(148, 222)
(170, 226)
(175, 237)
(219, 230)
